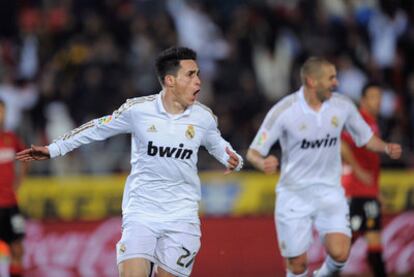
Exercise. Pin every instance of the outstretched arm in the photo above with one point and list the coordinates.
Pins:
(34, 153)
(94, 130)
(267, 164)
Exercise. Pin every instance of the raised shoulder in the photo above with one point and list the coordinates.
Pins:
(134, 101)
(280, 107)
(340, 99)
(205, 109)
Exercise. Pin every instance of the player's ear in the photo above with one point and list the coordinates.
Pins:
(311, 82)
(169, 80)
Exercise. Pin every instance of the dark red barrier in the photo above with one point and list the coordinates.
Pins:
(242, 247)
(238, 247)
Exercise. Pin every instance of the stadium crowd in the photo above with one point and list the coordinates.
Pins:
(65, 62)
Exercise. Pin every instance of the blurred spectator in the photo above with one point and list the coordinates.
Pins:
(19, 95)
(351, 78)
(92, 55)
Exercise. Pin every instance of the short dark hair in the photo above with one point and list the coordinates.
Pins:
(312, 66)
(368, 86)
(168, 61)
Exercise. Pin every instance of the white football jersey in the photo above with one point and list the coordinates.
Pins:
(310, 140)
(163, 183)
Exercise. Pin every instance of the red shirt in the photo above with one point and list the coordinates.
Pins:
(9, 146)
(368, 160)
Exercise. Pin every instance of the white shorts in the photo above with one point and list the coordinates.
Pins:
(296, 211)
(171, 246)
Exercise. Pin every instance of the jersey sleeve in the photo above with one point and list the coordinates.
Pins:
(95, 130)
(216, 145)
(359, 130)
(269, 132)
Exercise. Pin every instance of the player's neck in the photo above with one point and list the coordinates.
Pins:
(311, 99)
(170, 103)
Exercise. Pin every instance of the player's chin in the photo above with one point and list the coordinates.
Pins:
(328, 95)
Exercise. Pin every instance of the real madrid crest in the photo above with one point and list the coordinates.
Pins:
(334, 121)
(190, 133)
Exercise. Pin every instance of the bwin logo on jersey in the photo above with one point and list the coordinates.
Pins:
(317, 143)
(169, 152)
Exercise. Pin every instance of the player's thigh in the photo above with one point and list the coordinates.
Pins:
(138, 240)
(332, 214)
(135, 267)
(293, 224)
(177, 248)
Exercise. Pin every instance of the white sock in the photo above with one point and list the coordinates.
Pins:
(329, 267)
(290, 274)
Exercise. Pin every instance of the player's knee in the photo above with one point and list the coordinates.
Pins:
(133, 273)
(298, 270)
(297, 265)
(340, 255)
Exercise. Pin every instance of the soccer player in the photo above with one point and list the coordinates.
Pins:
(360, 179)
(11, 220)
(308, 125)
(160, 222)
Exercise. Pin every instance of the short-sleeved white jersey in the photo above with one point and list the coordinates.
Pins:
(310, 140)
(163, 184)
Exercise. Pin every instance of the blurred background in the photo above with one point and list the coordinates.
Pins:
(65, 62)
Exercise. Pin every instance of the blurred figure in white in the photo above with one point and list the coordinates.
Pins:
(18, 95)
(197, 30)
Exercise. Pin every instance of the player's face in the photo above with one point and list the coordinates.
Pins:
(187, 83)
(372, 100)
(326, 83)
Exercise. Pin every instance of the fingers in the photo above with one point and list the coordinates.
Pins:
(33, 153)
(232, 162)
(270, 164)
(25, 155)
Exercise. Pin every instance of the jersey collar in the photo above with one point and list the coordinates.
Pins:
(305, 106)
(161, 108)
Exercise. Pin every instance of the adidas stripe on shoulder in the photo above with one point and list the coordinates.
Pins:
(279, 108)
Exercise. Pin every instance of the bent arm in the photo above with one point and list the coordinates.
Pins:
(221, 149)
(267, 164)
(376, 144)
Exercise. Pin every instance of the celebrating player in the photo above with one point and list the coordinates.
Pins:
(308, 125)
(160, 221)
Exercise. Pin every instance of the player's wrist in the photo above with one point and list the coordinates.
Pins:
(387, 149)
